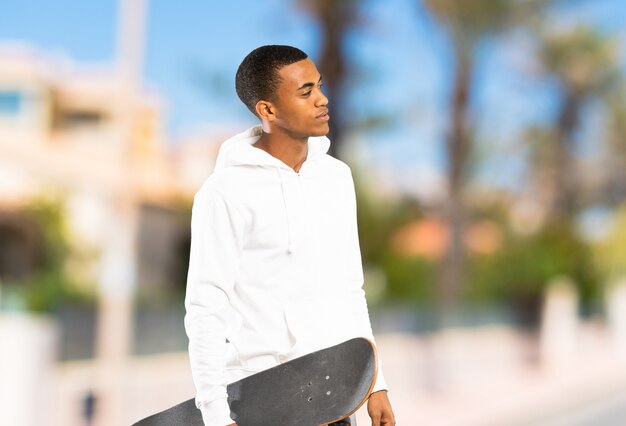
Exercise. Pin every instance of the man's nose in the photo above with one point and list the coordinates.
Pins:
(322, 100)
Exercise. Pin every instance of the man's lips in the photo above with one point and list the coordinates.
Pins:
(323, 116)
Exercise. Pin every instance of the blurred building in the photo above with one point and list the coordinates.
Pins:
(69, 132)
(80, 136)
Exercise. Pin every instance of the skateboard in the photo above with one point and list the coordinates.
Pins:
(317, 389)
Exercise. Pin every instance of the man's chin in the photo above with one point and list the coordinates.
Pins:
(321, 132)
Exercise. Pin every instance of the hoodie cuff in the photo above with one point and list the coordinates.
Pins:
(216, 413)
(380, 380)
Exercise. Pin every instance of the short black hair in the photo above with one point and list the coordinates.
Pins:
(257, 76)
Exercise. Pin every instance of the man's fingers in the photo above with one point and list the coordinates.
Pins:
(388, 419)
(375, 419)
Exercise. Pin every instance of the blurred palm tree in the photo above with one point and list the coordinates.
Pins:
(614, 162)
(584, 63)
(335, 19)
(467, 24)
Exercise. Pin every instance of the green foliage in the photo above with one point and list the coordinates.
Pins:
(378, 219)
(49, 285)
(50, 220)
(582, 58)
(514, 276)
(470, 21)
(409, 278)
(472, 18)
(517, 274)
(45, 291)
(610, 253)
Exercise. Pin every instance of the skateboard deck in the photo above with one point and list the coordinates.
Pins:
(316, 389)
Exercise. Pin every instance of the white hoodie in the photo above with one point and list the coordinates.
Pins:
(275, 267)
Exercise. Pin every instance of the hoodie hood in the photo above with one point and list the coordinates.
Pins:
(239, 150)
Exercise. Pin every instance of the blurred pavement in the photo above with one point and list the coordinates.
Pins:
(488, 376)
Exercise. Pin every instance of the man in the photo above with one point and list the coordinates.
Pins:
(275, 268)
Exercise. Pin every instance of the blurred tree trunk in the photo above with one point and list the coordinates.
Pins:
(335, 18)
(458, 144)
(565, 194)
(614, 191)
(466, 23)
(583, 62)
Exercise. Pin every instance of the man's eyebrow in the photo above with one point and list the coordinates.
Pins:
(309, 84)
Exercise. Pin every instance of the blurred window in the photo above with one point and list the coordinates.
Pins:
(77, 119)
(10, 102)
(19, 246)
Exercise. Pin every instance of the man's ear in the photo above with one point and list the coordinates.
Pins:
(265, 110)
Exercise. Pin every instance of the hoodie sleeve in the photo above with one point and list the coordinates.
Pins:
(217, 230)
(360, 309)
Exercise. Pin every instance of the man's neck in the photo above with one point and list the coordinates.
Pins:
(292, 152)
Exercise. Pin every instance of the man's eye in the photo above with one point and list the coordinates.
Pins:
(305, 94)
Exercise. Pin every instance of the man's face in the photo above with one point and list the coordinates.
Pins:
(300, 106)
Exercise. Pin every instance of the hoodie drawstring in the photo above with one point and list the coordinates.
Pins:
(290, 231)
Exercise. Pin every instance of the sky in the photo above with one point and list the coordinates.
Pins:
(193, 48)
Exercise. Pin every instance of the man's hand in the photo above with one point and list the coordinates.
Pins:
(379, 409)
